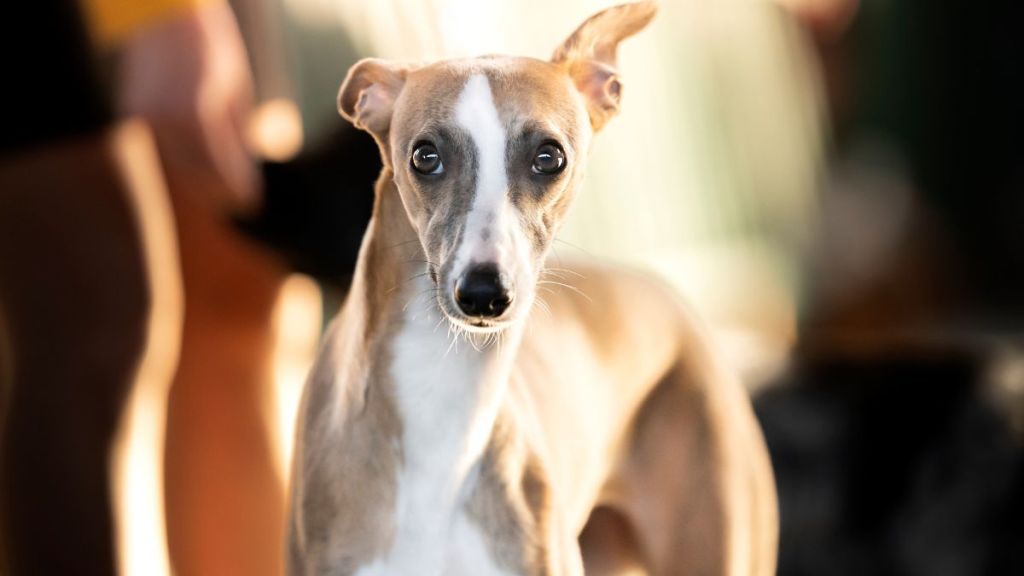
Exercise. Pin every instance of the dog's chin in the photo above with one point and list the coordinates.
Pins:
(476, 325)
(482, 326)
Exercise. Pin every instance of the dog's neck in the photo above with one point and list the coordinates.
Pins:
(445, 391)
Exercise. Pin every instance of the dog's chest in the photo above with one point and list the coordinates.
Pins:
(458, 550)
(447, 400)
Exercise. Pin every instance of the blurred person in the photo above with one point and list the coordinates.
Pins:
(896, 432)
(89, 320)
(187, 73)
(88, 272)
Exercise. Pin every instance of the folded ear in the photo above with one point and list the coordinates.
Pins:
(368, 94)
(589, 56)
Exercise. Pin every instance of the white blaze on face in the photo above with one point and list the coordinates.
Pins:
(490, 230)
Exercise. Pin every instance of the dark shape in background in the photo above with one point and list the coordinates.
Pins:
(316, 206)
(895, 465)
(894, 452)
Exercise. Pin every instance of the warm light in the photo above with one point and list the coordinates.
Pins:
(297, 321)
(136, 461)
(275, 130)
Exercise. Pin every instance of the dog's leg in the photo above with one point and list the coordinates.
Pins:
(571, 554)
(698, 482)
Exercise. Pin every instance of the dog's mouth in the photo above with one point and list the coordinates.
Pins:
(474, 324)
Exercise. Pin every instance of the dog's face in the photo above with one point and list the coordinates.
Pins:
(487, 155)
(486, 171)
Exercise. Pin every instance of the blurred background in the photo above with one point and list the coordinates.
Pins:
(836, 186)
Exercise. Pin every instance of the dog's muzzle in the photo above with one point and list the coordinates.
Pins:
(483, 292)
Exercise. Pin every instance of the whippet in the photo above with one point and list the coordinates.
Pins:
(464, 419)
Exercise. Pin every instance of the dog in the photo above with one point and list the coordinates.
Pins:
(475, 410)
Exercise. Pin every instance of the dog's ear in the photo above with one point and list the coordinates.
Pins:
(588, 55)
(368, 94)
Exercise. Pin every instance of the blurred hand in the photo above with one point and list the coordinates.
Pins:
(190, 78)
(828, 17)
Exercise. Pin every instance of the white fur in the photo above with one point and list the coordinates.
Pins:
(476, 113)
(448, 396)
(492, 211)
(468, 554)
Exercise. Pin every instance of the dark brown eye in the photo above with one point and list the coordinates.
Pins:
(549, 159)
(426, 159)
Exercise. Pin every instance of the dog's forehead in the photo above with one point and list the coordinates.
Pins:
(521, 88)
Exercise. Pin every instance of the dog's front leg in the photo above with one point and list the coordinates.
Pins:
(569, 558)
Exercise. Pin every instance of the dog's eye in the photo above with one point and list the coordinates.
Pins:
(549, 159)
(426, 159)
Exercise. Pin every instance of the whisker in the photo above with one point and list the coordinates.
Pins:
(545, 289)
(570, 287)
(453, 343)
(565, 271)
(406, 281)
(552, 274)
(470, 340)
(412, 300)
(558, 256)
(539, 301)
(576, 246)
(403, 243)
(420, 261)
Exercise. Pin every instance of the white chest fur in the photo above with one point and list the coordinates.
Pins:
(447, 396)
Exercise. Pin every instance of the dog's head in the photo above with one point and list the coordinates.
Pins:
(487, 154)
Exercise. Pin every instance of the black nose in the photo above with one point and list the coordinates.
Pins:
(481, 292)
